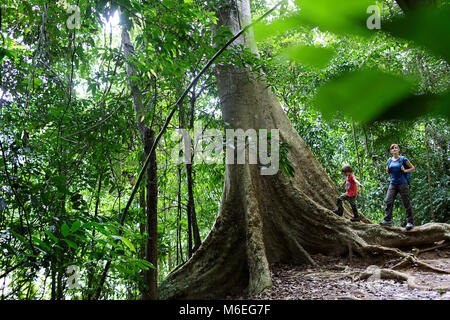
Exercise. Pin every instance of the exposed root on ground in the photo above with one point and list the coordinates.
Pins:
(412, 260)
(406, 258)
(375, 273)
(341, 298)
(440, 245)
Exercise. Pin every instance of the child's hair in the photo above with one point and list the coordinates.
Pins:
(390, 147)
(347, 168)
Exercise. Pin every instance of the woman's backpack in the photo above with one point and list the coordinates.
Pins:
(407, 174)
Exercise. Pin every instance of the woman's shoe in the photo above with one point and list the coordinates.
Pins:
(386, 223)
(409, 226)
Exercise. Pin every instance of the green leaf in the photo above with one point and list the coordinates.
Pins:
(415, 106)
(154, 73)
(328, 15)
(128, 244)
(335, 16)
(428, 26)
(37, 82)
(7, 53)
(309, 55)
(60, 183)
(42, 244)
(65, 230)
(87, 225)
(75, 226)
(18, 236)
(101, 229)
(83, 237)
(71, 243)
(51, 235)
(363, 95)
(264, 30)
(144, 264)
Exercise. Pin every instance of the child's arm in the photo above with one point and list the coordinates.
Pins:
(359, 184)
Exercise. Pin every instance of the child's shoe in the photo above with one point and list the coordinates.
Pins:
(409, 226)
(355, 219)
(338, 213)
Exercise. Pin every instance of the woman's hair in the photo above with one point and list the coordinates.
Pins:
(394, 144)
(347, 168)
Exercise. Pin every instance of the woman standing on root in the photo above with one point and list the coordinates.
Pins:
(398, 166)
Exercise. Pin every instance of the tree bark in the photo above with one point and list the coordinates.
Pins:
(190, 183)
(429, 173)
(142, 227)
(147, 136)
(188, 167)
(265, 219)
(179, 209)
(151, 248)
(359, 164)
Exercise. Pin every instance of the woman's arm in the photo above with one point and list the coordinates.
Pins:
(410, 169)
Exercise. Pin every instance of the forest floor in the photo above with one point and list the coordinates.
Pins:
(335, 279)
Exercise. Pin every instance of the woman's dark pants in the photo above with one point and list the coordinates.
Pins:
(403, 189)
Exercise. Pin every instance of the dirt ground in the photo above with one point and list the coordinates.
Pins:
(335, 278)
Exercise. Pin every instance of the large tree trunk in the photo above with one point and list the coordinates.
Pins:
(265, 219)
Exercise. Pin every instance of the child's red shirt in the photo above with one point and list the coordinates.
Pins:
(350, 185)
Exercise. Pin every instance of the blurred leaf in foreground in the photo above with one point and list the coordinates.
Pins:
(329, 15)
(363, 95)
(415, 106)
(347, 17)
(309, 55)
(427, 26)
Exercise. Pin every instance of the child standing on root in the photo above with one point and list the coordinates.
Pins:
(350, 193)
